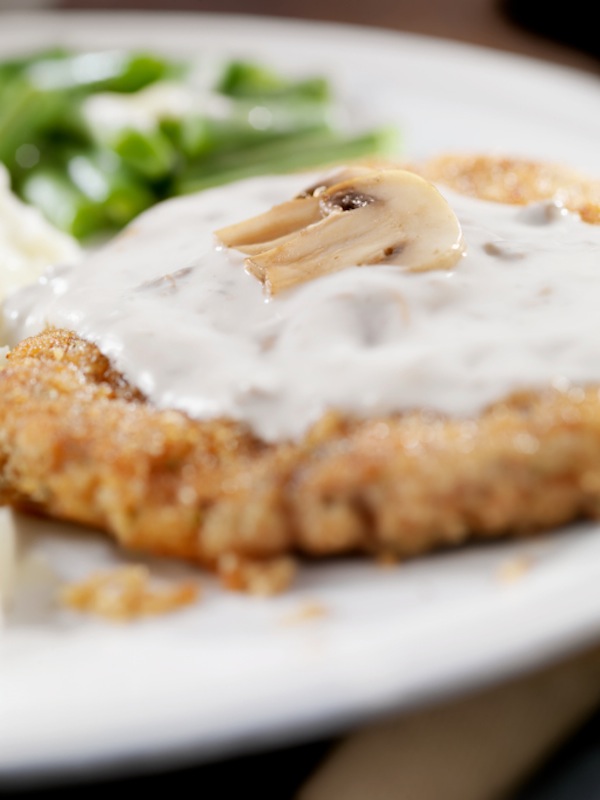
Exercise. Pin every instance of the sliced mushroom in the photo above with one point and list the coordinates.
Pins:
(346, 174)
(277, 225)
(383, 217)
(263, 232)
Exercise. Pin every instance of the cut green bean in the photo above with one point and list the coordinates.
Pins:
(106, 71)
(148, 153)
(91, 178)
(63, 204)
(12, 67)
(250, 80)
(203, 138)
(25, 112)
(118, 195)
(289, 155)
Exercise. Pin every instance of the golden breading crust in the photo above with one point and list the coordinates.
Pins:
(77, 443)
(516, 180)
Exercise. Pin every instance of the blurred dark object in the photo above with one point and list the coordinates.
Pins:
(574, 771)
(273, 775)
(573, 23)
(517, 26)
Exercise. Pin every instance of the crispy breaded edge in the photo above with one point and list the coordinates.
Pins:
(515, 181)
(77, 444)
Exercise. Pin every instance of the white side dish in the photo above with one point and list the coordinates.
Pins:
(28, 243)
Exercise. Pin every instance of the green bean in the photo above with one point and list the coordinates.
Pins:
(149, 154)
(103, 179)
(107, 71)
(25, 111)
(63, 204)
(290, 154)
(88, 181)
(202, 137)
(250, 80)
(12, 67)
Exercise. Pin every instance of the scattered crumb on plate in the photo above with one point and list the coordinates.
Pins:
(514, 569)
(306, 612)
(265, 577)
(126, 593)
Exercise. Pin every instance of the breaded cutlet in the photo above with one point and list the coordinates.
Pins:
(78, 443)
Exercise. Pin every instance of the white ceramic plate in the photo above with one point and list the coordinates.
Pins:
(233, 673)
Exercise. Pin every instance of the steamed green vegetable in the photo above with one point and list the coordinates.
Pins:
(93, 139)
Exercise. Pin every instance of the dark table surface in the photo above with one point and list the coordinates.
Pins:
(559, 33)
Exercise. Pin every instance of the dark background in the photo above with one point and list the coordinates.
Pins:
(562, 32)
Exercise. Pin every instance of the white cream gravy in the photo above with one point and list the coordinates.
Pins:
(180, 317)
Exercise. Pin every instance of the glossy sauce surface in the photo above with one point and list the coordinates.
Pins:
(182, 319)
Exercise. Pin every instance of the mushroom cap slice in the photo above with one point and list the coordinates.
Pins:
(388, 216)
(274, 227)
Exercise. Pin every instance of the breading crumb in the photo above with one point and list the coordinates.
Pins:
(265, 577)
(306, 612)
(514, 569)
(125, 593)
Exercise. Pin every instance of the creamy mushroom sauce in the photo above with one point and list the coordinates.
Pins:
(183, 320)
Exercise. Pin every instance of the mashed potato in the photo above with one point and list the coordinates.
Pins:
(28, 243)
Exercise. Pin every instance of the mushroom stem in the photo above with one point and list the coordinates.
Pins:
(266, 230)
(388, 216)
